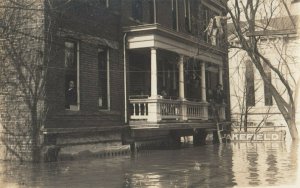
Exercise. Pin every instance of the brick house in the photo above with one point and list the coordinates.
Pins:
(106, 63)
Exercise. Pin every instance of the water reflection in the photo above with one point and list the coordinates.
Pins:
(228, 165)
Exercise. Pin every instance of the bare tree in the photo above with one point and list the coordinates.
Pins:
(252, 20)
(22, 77)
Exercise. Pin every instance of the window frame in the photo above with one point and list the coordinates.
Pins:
(268, 98)
(250, 84)
(77, 59)
(107, 61)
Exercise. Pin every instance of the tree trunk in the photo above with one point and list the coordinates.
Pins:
(35, 148)
(246, 120)
(293, 129)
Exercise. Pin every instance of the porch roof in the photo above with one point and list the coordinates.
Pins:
(156, 36)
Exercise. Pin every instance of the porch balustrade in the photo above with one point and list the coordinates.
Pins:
(196, 110)
(215, 110)
(155, 110)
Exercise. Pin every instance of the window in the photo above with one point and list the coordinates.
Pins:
(206, 16)
(174, 14)
(71, 76)
(103, 81)
(209, 33)
(250, 89)
(268, 93)
(137, 10)
(187, 15)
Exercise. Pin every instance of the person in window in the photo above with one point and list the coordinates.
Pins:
(164, 93)
(71, 96)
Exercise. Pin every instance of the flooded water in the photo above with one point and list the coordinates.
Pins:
(228, 165)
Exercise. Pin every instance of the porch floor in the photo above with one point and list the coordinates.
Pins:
(171, 125)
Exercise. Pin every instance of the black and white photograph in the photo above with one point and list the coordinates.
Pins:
(149, 93)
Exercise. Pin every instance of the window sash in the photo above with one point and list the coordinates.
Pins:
(103, 79)
(71, 64)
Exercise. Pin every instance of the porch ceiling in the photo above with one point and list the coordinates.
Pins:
(156, 36)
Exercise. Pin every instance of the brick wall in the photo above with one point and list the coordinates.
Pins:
(20, 71)
(82, 21)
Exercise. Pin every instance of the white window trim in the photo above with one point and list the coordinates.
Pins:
(77, 107)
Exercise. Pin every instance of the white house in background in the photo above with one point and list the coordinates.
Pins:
(282, 47)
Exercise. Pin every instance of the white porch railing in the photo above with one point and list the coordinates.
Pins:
(169, 109)
(222, 112)
(155, 110)
(196, 110)
(215, 110)
(139, 108)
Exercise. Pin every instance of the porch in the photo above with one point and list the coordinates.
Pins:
(171, 77)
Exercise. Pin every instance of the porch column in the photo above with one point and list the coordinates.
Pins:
(154, 114)
(203, 84)
(183, 112)
(221, 75)
(153, 73)
(203, 90)
(221, 108)
(181, 78)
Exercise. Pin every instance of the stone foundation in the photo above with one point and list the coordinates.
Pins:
(83, 144)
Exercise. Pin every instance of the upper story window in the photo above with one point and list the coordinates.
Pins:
(137, 10)
(267, 89)
(213, 26)
(187, 15)
(250, 87)
(175, 14)
(207, 15)
(71, 75)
